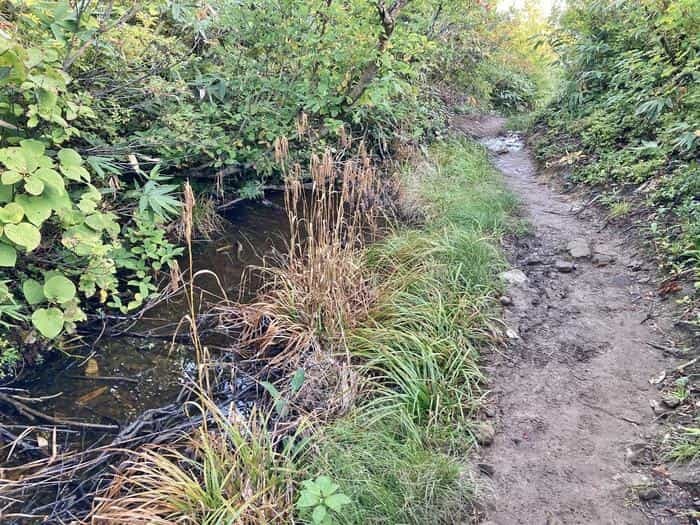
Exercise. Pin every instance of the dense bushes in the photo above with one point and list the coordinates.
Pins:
(103, 102)
(629, 112)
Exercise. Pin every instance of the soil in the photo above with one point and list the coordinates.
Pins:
(571, 396)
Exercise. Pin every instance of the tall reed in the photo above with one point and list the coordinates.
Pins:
(317, 289)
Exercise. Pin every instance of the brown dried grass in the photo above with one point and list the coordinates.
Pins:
(319, 288)
(234, 471)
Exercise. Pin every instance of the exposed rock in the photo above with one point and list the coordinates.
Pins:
(657, 407)
(602, 259)
(648, 493)
(564, 266)
(636, 265)
(487, 469)
(514, 277)
(637, 453)
(485, 433)
(512, 333)
(506, 300)
(533, 260)
(633, 479)
(671, 401)
(579, 249)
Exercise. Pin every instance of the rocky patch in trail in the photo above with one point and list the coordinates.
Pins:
(572, 395)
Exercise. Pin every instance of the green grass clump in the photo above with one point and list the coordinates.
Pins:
(397, 456)
(686, 446)
(391, 478)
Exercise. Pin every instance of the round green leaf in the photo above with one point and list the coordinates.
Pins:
(11, 212)
(59, 289)
(34, 185)
(37, 209)
(14, 160)
(23, 234)
(76, 173)
(49, 321)
(69, 157)
(10, 177)
(319, 514)
(8, 255)
(51, 177)
(33, 291)
(35, 147)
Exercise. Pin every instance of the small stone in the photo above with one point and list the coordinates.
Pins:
(564, 266)
(633, 479)
(635, 265)
(487, 469)
(648, 494)
(91, 368)
(602, 259)
(506, 300)
(533, 260)
(485, 433)
(490, 411)
(637, 453)
(658, 409)
(512, 334)
(671, 401)
(579, 249)
(514, 277)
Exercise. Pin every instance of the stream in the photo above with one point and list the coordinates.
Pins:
(115, 379)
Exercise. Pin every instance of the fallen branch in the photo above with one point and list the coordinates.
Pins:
(33, 414)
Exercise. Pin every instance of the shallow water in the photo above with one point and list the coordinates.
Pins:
(503, 144)
(111, 380)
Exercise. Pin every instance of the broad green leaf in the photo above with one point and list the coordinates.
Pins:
(8, 255)
(51, 177)
(33, 185)
(336, 501)
(14, 159)
(59, 289)
(319, 514)
(23, 234)
(11, 212)
(35, 147)
(10, 177)
(69, 157)
(308, 499)
(36, 209)
(56, 198)
(326, 485)
(33, 291)
(49, 321)
(76, 173)
(46, 101)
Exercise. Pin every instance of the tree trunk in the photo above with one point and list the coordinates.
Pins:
(387, 16)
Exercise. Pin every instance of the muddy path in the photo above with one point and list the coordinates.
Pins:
(571, 395)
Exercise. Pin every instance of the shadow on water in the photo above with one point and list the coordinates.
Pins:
(115, 379)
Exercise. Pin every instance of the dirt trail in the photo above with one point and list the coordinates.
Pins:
(572, 393)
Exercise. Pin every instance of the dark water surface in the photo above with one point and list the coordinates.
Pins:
(114, 379)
